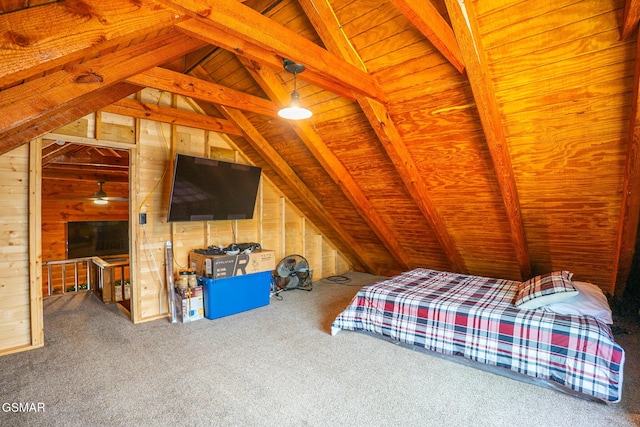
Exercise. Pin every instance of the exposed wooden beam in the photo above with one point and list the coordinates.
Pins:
(59, 116)
(192, 87)
(432, 25)
(322, 19)
(23, 107)
(630, 205)
(356, 253)
(240, 29)
(332, 165)
(42, 38)
(399, 154)
(630, 18)
(144, 110)
(479, 75)
(326, 24)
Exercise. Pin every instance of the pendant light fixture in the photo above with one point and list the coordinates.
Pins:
(100, 198)
(294, 111)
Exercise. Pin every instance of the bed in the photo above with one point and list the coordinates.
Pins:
(508, 326)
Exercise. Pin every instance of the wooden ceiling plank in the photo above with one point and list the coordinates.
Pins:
(322, 19)
(332, 165)
(630, 18)
(397, 151)
(630, 204)
(467, 34)
(232, 26)
(192, 87)
(282, 168)
(425, 17)
(23, 106)
(144, 110)
(325, 22)
(41, 38)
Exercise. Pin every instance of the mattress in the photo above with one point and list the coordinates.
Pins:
(474, 317)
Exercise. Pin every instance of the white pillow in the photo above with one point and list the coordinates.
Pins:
(589, 302)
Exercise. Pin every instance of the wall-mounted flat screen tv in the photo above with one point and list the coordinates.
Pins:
(97, 238)
(212, 190)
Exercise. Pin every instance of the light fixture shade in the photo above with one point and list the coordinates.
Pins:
(100, 198)
(294, 111)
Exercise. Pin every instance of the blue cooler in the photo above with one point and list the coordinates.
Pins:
(231, 295)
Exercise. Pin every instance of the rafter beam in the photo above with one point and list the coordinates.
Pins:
(59, 116)
(482, 86)
(282, 168)
(23, 107)
(185, 85)
(42, 38)
(630, 18)
(630, 206)
(240, 29)
(425, 17)
(144, 110)
(397, 151)
(267, 80)
(322, 19)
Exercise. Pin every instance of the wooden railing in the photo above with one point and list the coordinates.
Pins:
(107, 278)
(57, 273)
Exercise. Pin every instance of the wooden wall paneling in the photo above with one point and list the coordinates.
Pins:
(627, 239)
(293, 231)
(35, 249)
(272, 227)
(312, 248)
(79, 127)
(154, 159)
(16, 319)
(134, 225)
(116, 127)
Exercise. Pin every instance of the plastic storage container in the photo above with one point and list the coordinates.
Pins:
(231, 295)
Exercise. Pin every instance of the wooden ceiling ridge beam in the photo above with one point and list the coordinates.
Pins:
(630, 204)
(192, 87)
(466, 29)
(144, 110)
(26, 107)
(322, 19)
(630, 18)
(282, 168)
(42, 38)
(267, 79)
(233, 26)
(425, 17)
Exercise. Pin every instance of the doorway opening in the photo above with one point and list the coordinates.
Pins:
(85, 221)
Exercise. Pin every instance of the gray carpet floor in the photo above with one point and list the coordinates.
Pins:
(276, 365)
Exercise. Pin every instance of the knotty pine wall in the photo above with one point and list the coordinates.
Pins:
(277, 224)
(15, 296)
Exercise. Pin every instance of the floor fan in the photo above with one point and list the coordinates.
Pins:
(293, 272)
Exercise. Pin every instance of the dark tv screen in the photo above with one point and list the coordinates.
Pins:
(212, 190)
(97, 238)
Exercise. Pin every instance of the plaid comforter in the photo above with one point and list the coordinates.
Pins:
(474, 317)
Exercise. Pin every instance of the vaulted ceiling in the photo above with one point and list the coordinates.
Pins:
(495, 138)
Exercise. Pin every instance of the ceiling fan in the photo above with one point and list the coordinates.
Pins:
(100, 197)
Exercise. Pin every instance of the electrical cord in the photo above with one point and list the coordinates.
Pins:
(338, 280)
